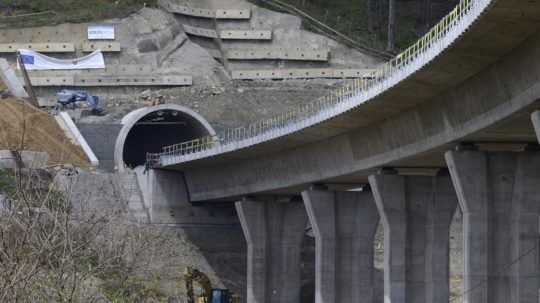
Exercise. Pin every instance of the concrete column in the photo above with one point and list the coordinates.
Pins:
(274, 232)
(499, 195)
(440, 212)
(535, 117)
(344, 225)
(416, 212)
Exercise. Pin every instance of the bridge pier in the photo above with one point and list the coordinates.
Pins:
(499, 194)
(535, 117)
(274, 232)
(344, 224)
(416, 212)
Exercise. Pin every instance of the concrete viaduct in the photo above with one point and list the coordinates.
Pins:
(449, 123)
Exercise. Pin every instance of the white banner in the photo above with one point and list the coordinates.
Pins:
(101, 32)
(36, 61)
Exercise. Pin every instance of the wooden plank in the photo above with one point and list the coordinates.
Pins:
(103, 46)
(189, 11)
(351, 73)
(131, 69)
(157, 80)
(278, 54)
(52, 81)
(38, 47)
(201, 32)
(246, 35)
(229, 34)
(310, 73)
(233, 13)
(108, 80)
(241, 14)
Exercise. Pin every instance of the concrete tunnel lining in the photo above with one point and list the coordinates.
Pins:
(149, 129)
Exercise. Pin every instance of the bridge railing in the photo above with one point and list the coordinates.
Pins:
(339, 96)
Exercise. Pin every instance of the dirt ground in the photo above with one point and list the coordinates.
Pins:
(40, 133)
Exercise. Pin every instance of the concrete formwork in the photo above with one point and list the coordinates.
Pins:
(101, 138)
(500, 199)
(344, 225)
(274, 233)
(416, 212)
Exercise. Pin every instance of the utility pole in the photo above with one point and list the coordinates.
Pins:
(27, 82)
(390, 47)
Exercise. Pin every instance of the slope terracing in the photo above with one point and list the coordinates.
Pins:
(256, 43)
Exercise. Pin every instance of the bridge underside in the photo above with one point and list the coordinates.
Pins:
(458, 132)
(491, 108)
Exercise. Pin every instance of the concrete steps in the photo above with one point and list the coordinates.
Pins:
(129, 188)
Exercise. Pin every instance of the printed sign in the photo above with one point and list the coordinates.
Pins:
(101, 32)
(36, 61)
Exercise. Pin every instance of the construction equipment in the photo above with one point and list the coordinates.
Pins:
(68, 98)
(209, 295)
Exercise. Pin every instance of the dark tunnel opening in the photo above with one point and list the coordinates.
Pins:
(158, 129)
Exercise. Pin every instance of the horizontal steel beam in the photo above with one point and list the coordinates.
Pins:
(299, 73)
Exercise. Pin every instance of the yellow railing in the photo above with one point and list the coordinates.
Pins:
(352, 88)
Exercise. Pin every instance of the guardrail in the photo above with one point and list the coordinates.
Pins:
(324, 104)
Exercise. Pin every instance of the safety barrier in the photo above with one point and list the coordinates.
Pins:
(310, 73)
(345, 98)
(38, 47)
(206, 13)
(278, 53)
(229, 34)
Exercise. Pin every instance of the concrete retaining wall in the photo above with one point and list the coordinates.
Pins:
(30, 159)
(7, 75)
(72, 132)
(101, 138)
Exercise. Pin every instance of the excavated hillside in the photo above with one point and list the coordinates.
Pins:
(24, 127)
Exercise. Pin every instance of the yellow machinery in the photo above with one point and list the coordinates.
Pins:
(199, 277)
(209, 295)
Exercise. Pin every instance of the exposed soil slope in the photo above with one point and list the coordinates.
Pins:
(40, 133)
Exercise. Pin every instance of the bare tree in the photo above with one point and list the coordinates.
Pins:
(370, 15)
(426, 15)
(391, 26)
(51, 253)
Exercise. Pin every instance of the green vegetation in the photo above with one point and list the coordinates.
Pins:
(25, 13)
(7, 183)
(366, 21)
(53, 253)
(120, 289)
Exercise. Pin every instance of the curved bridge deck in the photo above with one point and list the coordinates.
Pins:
(474, 80)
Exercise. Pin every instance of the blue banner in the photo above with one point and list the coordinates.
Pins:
(27, 59)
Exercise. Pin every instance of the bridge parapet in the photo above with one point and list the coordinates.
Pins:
(351, 95)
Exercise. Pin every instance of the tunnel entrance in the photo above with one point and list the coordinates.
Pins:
(154, 129)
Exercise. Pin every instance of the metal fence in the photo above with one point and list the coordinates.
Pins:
(351, 88)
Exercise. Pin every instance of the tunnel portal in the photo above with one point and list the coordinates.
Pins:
(148, 130)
